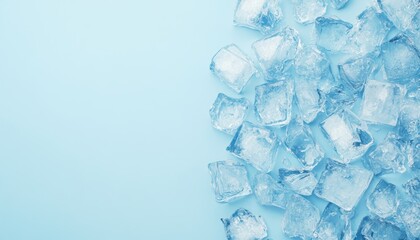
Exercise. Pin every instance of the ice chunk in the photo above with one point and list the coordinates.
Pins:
(256, 145)
(381, 102)
(338, 4)
(383, 201)
(378, 229)
(348, 134)
(356, 71)
(369, 32)
(261, 15)
(229, 180)
(233, 67)
(409, 213)
(273, 103)
(243, 225)
(310, 99)
(227, 113)
(413, 154)
(408, 124)
(302, 182)
(386, 157)
(334, 224)
(300, 142)
(268, 192)
(342, 184)
(300, 217)
(412, 187)
(312, 63)
(337, 98)
(401, 59)
(276, 53)
(306, 11)
(400, 12)
(331, 33)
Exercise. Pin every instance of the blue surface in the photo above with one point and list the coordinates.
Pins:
(104, 125)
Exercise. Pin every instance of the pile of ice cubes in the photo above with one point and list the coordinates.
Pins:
(375, 88)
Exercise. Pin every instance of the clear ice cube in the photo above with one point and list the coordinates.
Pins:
(312, 63)
(227, 113)
(273, 103)
(309, 98)
(338, 97)
(302, 182)
(306, 11)
(400, 12)
(378, 229)
(383, 201)
(331, 33)
(412, 187)
(233, 67)
(356, 71)
(255, 145)
(243, 225)
(343, 184)
(409, 213)
(261, 15)
(408, 124)
(338, 4)
(268, 192)
(229, 181)
(334, 224)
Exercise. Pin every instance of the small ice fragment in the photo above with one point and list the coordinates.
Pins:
(302, 182)
(261, 15)
(378, 229)
(256, 145)
(229, 181)
(412, 187)
(383, 201)
(342, 184)
(227, 113)
(409, 213)
(233, 67)
(273, 103)
(331, 33)
(339, 4)
(333, 225)
(306, 11)
(268, 192)
(243, 225)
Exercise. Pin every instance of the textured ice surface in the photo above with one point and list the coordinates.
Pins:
(310, 99)
(413, 155)
(338, 4)
(331, 33)
(334, 224)
(302, 182)
(400, 12)
(261, 15)
(342, 184)
(300, 218)
(369, 32)
(273, 103)
(386, 157)
(409, 213)
(356, 71)
(233, 67)
(381, 102)
(412, 187)
(227, 113)
(268, 192)
(243, 225)
(312, 63)
(401, 59)
(383, 201)
(300, 142)
(306, 11)
(337, 98)
(408, 125)
(256, 145)
(377, 229)
(348, 134)
(276, 53)
(229, 180)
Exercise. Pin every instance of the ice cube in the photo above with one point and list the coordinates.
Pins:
(227, 113)
(412, 187)
(233, 67)
(334, 224)
(381, 102)
(300, 142)
(276, 53)
(338, 98)
(331, 33)
(312, 63)
(412, 150)
(408, 124)
(273, 103)
(383, 201)
(268, 192)
(400, 12)
(261, 15)
(243, 225)
(338, 4)
(401, 59)
(378, 229)
(310, 99)
(348, 134)
(342, 184)
(256, 145)
(409, 213)
(356, 71)
(229, 181)
(300, 218)
(306, 11)
(302, 182)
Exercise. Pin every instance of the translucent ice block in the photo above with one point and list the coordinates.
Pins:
(378, 229)
(306, 11)
(338, 4)
(412, 187)
(409, 213)
(302, 182)
(400, 12)
(243, 225)
(332, 33)
(268, 192)
(334, 224)
(383, 201)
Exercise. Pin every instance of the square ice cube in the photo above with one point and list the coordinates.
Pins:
(268, 192)
(331, 33)
(378, 229)
(276, 53)
(256, 145)
(273, 103)
(306, 11)
(312, 63)
(381, 102)
(338, 4)
(400, 12)
(383, 201)
(356, 71)
(334, 224)
(227, 113)
(343, 184)
(409, 213)
(243, 225)
(302, 182)
(229, 181)
(412, 187)
(261, 15)
(348, 134)
(309, 98)
(233, 67)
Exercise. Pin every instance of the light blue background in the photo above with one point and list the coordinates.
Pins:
(104, 127)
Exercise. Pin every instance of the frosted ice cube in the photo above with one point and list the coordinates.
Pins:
(268, 192)
(400, 12)
(378, 229)
(302, 182)
(412, 187)
(408, 124)
(409, 213)
(312, 63)
(383, 201)
(356, 71)
(334, 224)
(243, 225)
(306, 11)
(310, 99)
(331, 33)
(338, 98)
